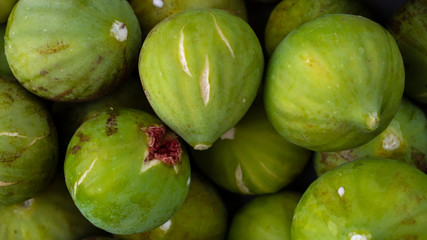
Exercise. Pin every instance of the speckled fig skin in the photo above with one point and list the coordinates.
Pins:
(50, 215)
(334, 83)
(150, 13)
(69, 116)
(408, 26)
(203, 216)
(201, 70)
(72, 50)
(4, 66)
(364, 199)
(125, 172)
(5, 9)
(99, 238)
(252, 158)
(404, 139)
(267, 217)
(28, 144)
(289, 14)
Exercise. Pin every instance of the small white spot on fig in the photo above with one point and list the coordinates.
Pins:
(166, 226)
(119, 31)
(204, 82)
(221, 34)
(182, 58)
(229, 134)
(239, 180)
(357, 236)
(201, 146)
(5, 184)
(45, 30)
(28, 202)
(372, 121)
(341, 191)
(149, 164)
(243, 100)
(391, 142)
(361, 50)
(158, 3)
(188, 181)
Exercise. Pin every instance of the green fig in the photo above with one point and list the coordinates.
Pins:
(201, 70)
(28, 144)
(50, 215)
(150, 13)
(126, 172)
(334, 83)
(408, 26)
(404, 139)
(266, 217)
(365, 199)
(202, 216)
(252, 158)
(289, 14)
(72, 50)
(4, 66)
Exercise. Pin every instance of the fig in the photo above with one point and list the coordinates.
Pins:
(73, 50)
(49, 215)
(334, 83)
(203, 216)
(267, 217)
(200, 70)
(404, 139)
(126, 172)
(4, 66)
(150, 13)
(364, 199)
(289, 14)
(252, 158)
(5, 9)
(408, 26)
(28, 144)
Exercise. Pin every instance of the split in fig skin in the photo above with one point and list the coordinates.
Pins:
(163, 146)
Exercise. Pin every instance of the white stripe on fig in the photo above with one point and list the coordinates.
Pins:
(182, 58)
(158, 3)
(270, 172)
(221, 34)
(201, 146)
(149, 164)
(239, 180)
(83, 177)
(373, 121)
(5, 184)
(165, 227)
(204, 82)
(12, 134)
(229, 134)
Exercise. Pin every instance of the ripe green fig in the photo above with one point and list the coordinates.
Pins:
(72, 50)
(252, 158)
(28, 144)
(150, 13)
(404, 139)
(365, 199)
(201, 70)
(50, 215)
(334, 83)
(289, 14)
(5, 9)
(126, 172)
(408, 26)
(203, 216)
(4, 66)
(266, 217)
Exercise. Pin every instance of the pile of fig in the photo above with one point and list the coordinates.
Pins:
(213, 119)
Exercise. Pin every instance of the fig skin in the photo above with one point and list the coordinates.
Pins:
(408, 27)
(203, 216)
(28, 144)
(289, 14)
(200, 70)
(267, 217)
(122, 174)
(334, 83)
(252, 158)
(364, 199)
(50, 215)
(150, 13)
(72, 51)
(404, 139)
(4, 66)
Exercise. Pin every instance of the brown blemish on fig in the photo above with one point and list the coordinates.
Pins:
(111, 124)
(9, 157)
(82, 137)
(408, 221)
(42, 89)
(75, 149)
(419, 159)
(163, 146)
(59, 46)
(61, 95)
(43, 72)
